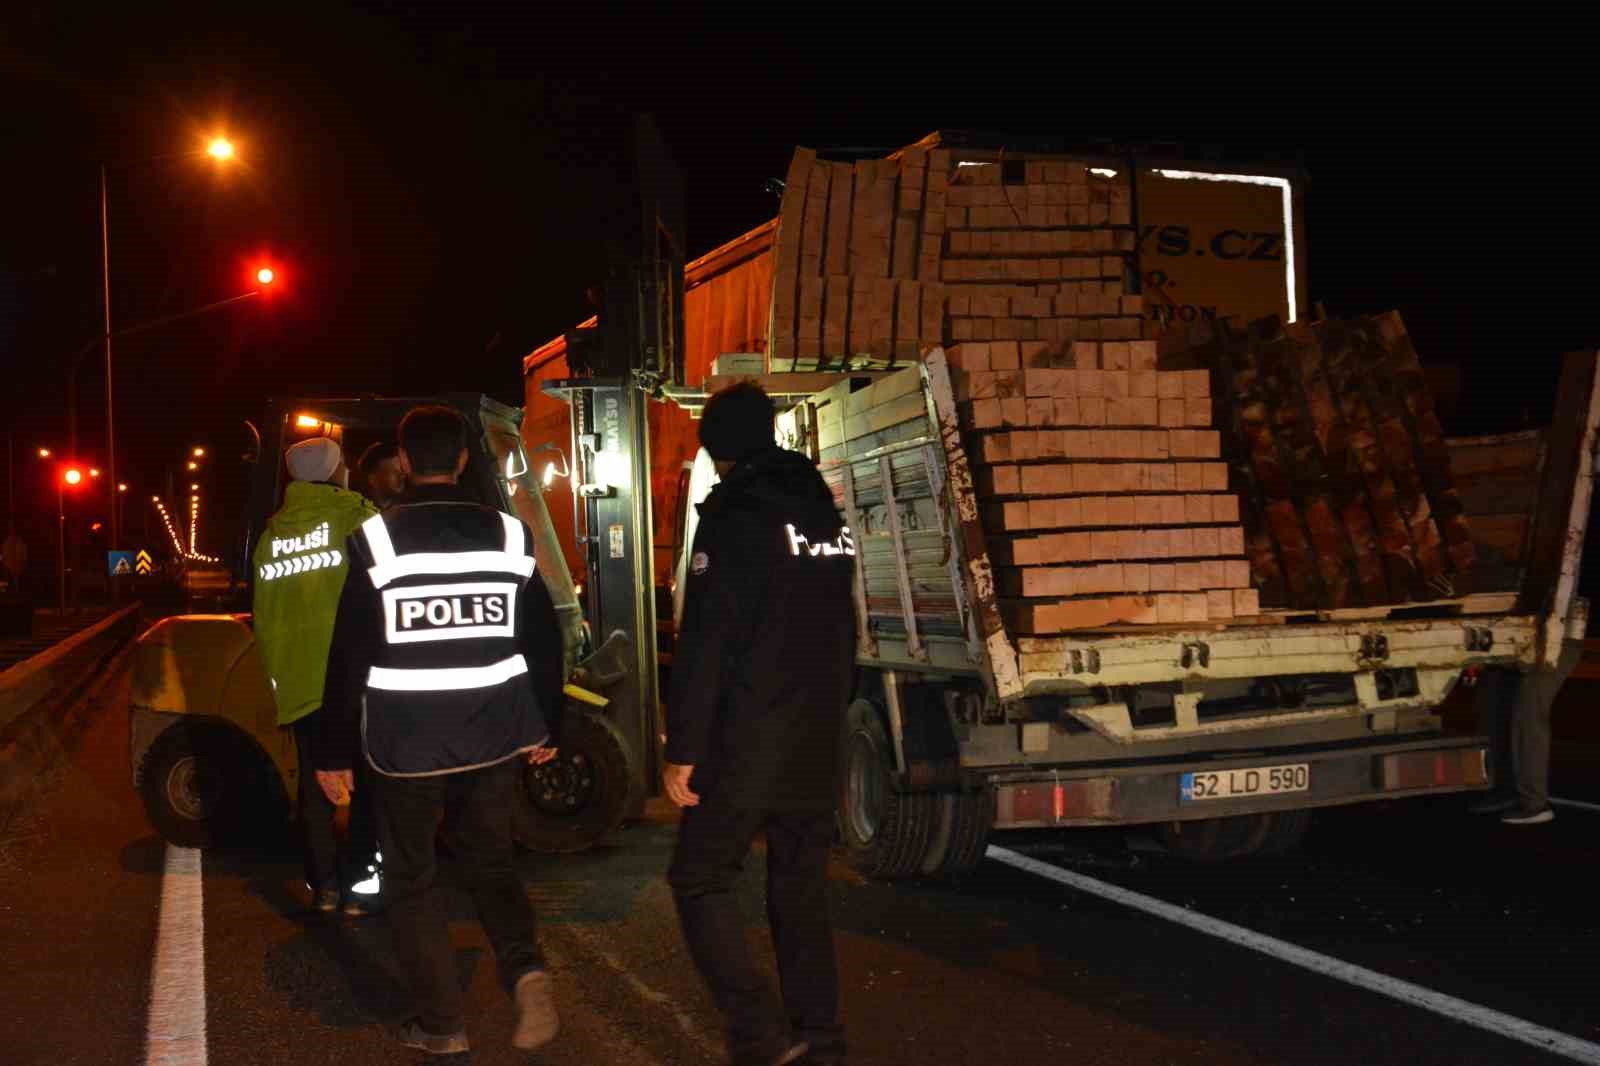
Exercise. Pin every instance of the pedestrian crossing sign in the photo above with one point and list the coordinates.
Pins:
(118, 563)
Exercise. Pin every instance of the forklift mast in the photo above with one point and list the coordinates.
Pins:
(618, 365)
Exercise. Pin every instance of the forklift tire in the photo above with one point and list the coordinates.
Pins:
(576, 799)
(887, 834)
(204, 785)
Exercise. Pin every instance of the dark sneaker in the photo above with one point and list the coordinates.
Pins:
(537, 1023)
(1529, 817)
(1494, 805)
(412, 1034)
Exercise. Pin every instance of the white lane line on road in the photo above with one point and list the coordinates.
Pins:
(175, 1034)
(1460, 1010)
(1576, 804)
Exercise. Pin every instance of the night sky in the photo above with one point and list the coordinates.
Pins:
(432, 186)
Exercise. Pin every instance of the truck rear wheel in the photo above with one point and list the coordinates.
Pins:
(1216, 839)
(967, 817)
(203, 785)
(887, 833)
(576, 799)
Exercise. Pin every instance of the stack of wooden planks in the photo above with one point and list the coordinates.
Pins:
(1349, 497)
(879, 260)
(1102, 489)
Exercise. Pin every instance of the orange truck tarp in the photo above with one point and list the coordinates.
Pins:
(727, 298)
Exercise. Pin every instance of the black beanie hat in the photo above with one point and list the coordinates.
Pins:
(737, 423)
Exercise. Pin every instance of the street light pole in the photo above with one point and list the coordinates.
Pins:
(61, 526)
(105, 284)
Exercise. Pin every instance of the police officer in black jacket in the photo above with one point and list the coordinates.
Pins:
(446, 669)
(761, 676)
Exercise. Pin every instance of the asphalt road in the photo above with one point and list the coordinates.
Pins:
(1004, 966)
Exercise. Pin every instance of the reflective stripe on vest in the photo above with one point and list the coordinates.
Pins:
(388, 566)
(447, 678)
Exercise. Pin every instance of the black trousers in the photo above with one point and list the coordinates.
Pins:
(326, 864)
(713, 841)
(477, 824)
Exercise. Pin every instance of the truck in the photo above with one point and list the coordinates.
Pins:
(1224, 737)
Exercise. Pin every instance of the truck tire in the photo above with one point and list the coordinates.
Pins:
(1215, 839)
(886, 833)
(1212, 839)
(1287, 830)
(969, 838)
(203, 785)
(576, 799)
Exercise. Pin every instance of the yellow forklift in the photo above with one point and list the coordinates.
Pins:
(208, 757)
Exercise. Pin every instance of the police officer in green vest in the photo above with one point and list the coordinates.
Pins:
(299, 574)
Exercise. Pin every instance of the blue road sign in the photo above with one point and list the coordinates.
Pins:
(119, 563)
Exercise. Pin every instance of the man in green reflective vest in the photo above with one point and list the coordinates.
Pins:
(299, 574)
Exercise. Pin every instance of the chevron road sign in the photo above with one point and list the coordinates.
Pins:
(143, 564)
(299, 564)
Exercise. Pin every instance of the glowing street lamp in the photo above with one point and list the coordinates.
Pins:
(266, 276)
(122, 486)
(199, 452)
(72, 476)
(44, 453)
(193, 465)
(94, 471)
(220, 149)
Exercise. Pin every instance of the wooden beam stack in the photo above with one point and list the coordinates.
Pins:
(1102, 486)
(1349, 498)
(880, 260)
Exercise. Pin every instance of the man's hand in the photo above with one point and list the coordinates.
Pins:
(541, 755)
(337, 785)
(676, 780)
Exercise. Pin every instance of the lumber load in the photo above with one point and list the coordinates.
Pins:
(880, 260)
(1101, 485)
(1348, 494)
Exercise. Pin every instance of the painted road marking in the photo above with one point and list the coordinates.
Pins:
(1460, 1010)
(176, 1030)
(1576, 804)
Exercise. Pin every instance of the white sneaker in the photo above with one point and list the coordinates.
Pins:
(1527, 818)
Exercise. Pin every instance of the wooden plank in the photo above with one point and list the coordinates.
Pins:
(1506, 534)
(865, 180)
(1400, 449)
(1562, 442)
(836, 318)
(1303, 467)
(841, 192)
(1403, 574)
(1338, 470)
(786, 270)
(1263, 472)
(868, 643)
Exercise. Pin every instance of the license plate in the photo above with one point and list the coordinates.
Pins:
(1253, 781)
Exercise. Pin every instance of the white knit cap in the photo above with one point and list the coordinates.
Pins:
(313, 460)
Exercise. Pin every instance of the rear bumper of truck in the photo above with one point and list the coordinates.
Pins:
(1339, 774)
